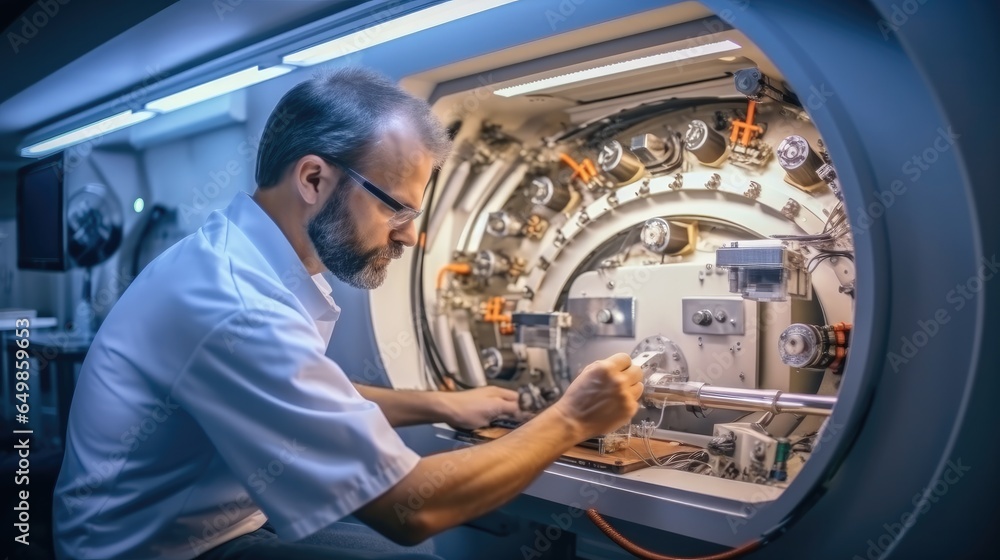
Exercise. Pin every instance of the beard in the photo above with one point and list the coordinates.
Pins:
(334, 234)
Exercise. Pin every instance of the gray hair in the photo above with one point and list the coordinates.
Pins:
(340, 116)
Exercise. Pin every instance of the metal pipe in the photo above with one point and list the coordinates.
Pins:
(735, 398)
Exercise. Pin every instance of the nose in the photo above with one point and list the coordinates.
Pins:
(405, 234)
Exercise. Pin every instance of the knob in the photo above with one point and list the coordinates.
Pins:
(703, 317)
(720, 316)
(605, 316)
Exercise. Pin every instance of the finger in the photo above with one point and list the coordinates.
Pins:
(618, 362)
(506, 394)
(637, 390)
(633, 374)
(508, 408)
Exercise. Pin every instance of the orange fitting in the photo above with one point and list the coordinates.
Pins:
(747, 128)
(494, 314)
(579, 170)
(457, 268)
(589, 166)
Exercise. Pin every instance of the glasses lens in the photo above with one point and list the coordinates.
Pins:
(403, 217)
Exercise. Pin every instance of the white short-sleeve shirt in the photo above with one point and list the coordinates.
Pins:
(207, 406)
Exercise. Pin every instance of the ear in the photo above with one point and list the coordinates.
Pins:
(314, 179)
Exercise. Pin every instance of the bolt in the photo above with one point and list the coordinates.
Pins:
(611, 285)
(742, 376)
(675, 356)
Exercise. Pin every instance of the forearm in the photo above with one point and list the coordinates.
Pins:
(472, 481)
(407, 408)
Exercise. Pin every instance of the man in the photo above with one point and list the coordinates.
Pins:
(207, 406)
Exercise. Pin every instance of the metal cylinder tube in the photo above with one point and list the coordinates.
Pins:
(705, 143)
(799, 161)
(735, 398)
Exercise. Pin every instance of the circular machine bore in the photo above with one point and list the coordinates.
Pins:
(705, 143)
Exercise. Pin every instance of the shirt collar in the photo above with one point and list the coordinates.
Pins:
(272, 244)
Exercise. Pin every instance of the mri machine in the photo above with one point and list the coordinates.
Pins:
(786, 227)
(783, 212)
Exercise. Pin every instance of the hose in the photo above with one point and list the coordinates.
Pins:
(640, 552)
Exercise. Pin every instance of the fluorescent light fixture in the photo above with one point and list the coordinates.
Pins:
(617, 68)
(93, 130)
(439, 14)
(217, 87)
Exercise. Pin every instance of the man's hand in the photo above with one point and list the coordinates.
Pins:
(475, 408)
(604, 396)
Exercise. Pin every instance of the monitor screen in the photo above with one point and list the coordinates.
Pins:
(41, 239)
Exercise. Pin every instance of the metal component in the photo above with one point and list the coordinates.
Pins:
(755, 85)
(765, 270)
(504, 224)
(605, 316)
(799, 161)
(530, 399)
(489, 263)
(713, 182)
(753, 155)
(791, 209)
(705, 314)
(661, 360)
(753, 191)
(705, 143)
(619, 163)
(643, 191)
(540, 330)
(545, 193)
(702, 318)
(586, 314)
(829, 174)
(583, 219)
(701, 395)
(499, 363)
(649, 148)
(658, 154)
(536, 227)
(663, 238)
(813, 347)
(677, 183)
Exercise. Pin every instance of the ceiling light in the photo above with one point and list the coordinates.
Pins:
(217, 87)
(93, 130)
(384, 32)
(617, 68)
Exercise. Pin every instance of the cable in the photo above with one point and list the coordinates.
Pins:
(641, 552)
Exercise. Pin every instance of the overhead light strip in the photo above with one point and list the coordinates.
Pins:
(617, 68)
(88, 132)
(409, 24)
(221, 86)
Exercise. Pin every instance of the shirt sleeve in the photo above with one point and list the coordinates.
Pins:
(288, 423)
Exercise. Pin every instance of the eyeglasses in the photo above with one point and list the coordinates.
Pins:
(403, 214)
